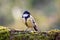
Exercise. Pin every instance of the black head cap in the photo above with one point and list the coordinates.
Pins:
(26, 12)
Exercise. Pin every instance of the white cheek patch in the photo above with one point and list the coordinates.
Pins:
(25, 15)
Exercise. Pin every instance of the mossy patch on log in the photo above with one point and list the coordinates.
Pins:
(6, 34)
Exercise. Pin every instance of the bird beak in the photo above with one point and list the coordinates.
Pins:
(22, 16)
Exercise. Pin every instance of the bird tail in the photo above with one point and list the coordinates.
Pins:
(35, 28)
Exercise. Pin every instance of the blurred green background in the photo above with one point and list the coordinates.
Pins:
(45, 12)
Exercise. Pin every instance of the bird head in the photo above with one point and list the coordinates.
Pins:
(26, 15)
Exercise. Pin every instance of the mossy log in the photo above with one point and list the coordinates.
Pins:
(6, 34)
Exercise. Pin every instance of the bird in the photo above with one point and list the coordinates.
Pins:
(29, 21)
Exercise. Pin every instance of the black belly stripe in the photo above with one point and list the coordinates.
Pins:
(26, 22)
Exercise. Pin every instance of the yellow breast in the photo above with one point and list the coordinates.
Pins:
(29, 23)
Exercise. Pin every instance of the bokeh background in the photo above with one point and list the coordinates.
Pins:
(45, 12)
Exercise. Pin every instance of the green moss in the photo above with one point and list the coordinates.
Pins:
(5, 34)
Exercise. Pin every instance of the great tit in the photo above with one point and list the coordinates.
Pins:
(29, 20)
